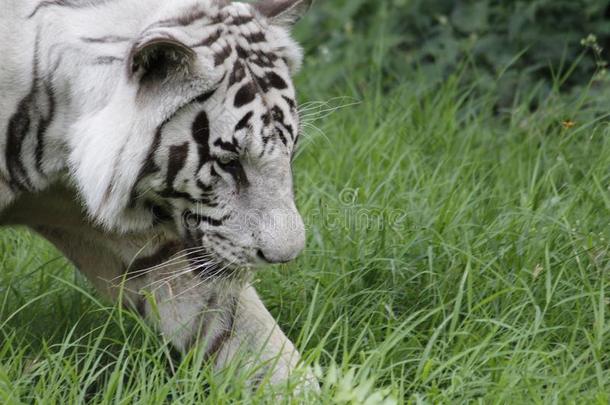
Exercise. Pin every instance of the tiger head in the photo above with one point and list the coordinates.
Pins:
(210, 128)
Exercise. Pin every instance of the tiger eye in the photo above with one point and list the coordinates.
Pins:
(225, 160)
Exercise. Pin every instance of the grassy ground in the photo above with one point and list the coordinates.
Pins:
(455, 254)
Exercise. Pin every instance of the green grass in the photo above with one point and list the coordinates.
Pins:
(455, 254)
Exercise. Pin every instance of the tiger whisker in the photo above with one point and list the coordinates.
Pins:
(318, 104)
(319, 132)
(142, 272)
(173, 275)
(178, 258)
(206, 279)
(322, 111)
(167, 280)
(182, 259)
(170, 276)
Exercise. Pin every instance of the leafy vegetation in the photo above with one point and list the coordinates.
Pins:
(531, 45)
(458, 242)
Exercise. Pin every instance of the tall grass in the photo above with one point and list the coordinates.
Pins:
(455, 254)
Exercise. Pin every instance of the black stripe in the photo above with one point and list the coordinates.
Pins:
(266, 118)
(44, 4)
(241, 20)
(43, 125)
(208, 202)
(213, 172)
(209, 40)
(290, 130)
(207, 196)
(244, 122)
(246, 94)
(194, 14)
(148, 166)
(200, 131)
(278, 114)
(204, 187)
(199, 219)
(241, 52)
(228, 146)
(263, 59)
(177, 160)
(262, 83)
(223, 55)
(18, 127)
(106, 60)
(266, 140)
(238, 74)
(115, 172)
(64, 3)
(280, 133)
(204, 97)
(20, 124)
(255, 38)
(107, 39)
(276, 81)
(213, 221)
(177, 195)
(290, 102)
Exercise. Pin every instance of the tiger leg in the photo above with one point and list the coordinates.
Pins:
(156, 282)
(225, 318)
(255, 332)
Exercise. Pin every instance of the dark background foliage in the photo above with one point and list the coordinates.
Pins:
(523, 46)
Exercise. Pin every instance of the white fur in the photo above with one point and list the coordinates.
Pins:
(102, 127)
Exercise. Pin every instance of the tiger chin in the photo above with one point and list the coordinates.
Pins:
(151, 142)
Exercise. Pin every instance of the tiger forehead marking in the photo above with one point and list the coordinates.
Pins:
(249, 68)
(240, 50)
(241, 47)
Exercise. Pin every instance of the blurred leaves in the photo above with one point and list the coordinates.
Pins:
(438, 36)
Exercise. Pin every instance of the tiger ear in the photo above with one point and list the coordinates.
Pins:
(159, 57)
(283, 12)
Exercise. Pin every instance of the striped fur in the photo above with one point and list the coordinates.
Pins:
(151, 141)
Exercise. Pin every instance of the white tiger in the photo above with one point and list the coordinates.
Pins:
(151, 142)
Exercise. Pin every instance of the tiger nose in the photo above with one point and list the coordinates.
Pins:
(282, 237)
(264, 257)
